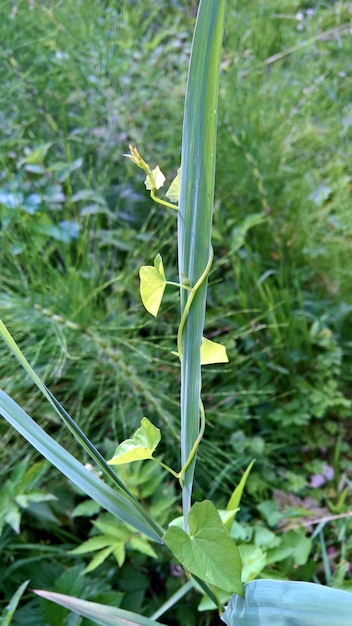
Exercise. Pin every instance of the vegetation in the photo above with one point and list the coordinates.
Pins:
(82, 81)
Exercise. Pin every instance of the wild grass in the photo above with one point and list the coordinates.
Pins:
(80, 81)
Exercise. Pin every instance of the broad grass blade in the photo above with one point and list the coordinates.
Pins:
(118, 504)
(100, 613)
(283, 603)
(196, 209)
(62, 413)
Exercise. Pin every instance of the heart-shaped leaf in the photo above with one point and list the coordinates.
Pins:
(207, 551)
(212, 352)
(141, 446)
(152, 285)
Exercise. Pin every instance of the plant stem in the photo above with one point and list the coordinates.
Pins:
(163, 202)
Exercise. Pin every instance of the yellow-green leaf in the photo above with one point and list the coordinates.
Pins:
(37, 156)
(212, 352)
(152, 285)
(173, 192)
(141, 446)
(155, 179)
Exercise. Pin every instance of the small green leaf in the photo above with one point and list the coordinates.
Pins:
(173, 191)
(234, 502)
(155, 179)
(102, 555)
(212, 352)
(152, 285)
(140, 446)
(92, 544)
(36, 156)
(207, 551)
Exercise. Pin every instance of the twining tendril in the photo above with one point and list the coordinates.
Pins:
(185, 313)
(190, 299)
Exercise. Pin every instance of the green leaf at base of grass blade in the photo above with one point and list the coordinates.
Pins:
(101, 614)
(207, 551)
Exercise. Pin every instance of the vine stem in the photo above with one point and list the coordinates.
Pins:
(190, 299)
(182, 471)
(196, 443)
(163, 202)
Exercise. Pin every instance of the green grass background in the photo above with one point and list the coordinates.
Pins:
(82, 80)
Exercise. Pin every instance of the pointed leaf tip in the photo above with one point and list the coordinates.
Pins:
(212, 352)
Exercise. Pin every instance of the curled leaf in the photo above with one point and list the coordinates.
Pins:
(155, 179)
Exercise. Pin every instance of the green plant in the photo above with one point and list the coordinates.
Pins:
(200, 541)
(203, 517)
(20, 491)
(10, 609)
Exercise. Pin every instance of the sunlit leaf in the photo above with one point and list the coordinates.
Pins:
(100, 613)
(155, 179)
(207, 551)
(212, 352)
(173, 192)
(152, 285)
(141, 446)
(234, 501)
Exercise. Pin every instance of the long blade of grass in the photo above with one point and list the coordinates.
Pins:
(118, 504)
(70, 423)
(100, 613)
(195, 211)
(170, 602)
